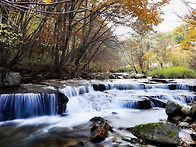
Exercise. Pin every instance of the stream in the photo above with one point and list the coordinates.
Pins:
(118, 101)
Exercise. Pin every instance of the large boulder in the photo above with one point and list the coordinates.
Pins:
(161, 133)
(9, 79)
(173, 108)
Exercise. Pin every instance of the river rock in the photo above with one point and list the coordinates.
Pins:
(99, 132)
(62, 102)
(137, 76)
(162, 133)
(188, 120)
(193, 111)
(191, 103)
(144, 104)
(158, 81)
(183, 125)
(173, 108)
(99, 87)
(157, 102)
(9, 79)
(186, 111)
(97, 119)
(176, 119)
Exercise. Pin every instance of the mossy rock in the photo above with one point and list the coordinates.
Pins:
(161, 133)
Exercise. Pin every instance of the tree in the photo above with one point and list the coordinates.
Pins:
(188, 42)
(138, 52)
(70, 32)
(161, 47)
(19, 30)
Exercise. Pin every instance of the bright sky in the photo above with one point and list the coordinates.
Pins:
(170, 19)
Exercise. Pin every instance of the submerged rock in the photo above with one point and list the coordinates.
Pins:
(161, 133)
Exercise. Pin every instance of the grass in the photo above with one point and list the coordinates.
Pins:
(122, 69)
(173, 72)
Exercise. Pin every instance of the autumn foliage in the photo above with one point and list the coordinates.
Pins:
(70, 34)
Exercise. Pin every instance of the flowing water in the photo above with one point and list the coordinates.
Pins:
(117, 101)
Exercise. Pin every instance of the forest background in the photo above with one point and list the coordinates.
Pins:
(75, 38)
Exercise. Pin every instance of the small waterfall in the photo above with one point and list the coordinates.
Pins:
(141, 86)
(182, 87)
(102, 87)
(69, 91)
(98, 97)
(130, 104)
(15, 106)
(92, 98)
(74, 91)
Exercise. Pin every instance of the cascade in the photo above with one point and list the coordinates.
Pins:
(95, 97)
(74, 91)
(98, 97)
(124, 103)
(15, 106)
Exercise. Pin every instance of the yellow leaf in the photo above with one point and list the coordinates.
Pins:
(47, 1)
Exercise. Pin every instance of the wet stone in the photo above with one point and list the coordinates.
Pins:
(97, 118)
(183, 125)
(173, 108)
(99, 87)
(99, 132)
(186, 111)
(144, 103)
(161, 133)
(188, 119)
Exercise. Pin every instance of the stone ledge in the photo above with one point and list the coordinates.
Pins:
(9, 79)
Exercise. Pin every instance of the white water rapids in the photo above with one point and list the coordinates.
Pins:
(117, 103)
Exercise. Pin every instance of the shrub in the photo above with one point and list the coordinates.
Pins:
(173, 72)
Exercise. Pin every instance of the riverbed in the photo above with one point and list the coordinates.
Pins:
(114, 100)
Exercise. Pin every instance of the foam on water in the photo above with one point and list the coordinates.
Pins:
(85, 103)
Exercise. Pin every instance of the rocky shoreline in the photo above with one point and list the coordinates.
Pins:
(163, 133)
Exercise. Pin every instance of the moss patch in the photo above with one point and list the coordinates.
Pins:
(146, 127)
(171, 133)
